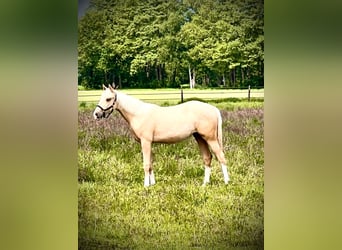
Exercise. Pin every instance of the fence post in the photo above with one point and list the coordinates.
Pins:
(249, 92)
(182, 98)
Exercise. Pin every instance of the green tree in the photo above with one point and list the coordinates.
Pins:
(159, 43)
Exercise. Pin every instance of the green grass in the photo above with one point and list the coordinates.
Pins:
(165, 97)
(117, 212)
(173, 96)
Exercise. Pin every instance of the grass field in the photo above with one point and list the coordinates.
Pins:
(117, 212)
(173, 96)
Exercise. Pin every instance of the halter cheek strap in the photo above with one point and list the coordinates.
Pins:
(111, 108)
(104, 110)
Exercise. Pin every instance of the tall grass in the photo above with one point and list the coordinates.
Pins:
(117, 212)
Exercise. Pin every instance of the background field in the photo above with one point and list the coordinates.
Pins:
(116, 211)
(172, 96)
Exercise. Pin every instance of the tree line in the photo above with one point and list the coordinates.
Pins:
(168, 43)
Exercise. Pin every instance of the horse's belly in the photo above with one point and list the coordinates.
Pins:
(172, 135)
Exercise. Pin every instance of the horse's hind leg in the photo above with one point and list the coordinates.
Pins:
(220, 157)
(203, 146)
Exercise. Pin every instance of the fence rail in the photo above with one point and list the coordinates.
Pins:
(177, 94)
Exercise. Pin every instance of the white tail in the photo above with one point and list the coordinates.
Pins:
(219, 129)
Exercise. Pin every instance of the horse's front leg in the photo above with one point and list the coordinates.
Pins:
(146, 147)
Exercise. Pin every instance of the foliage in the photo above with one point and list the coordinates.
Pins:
(153, 43)
(116, 211)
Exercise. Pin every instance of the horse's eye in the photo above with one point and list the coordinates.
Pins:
(108, 99)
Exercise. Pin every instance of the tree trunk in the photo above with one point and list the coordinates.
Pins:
(242, 75)
(162, 74)
(228, 80)
(174, 76)
(192, 77)
(105, 77)
(247, 73)
(207, 80)
(120, 84)
(232, 77)
(159, 72)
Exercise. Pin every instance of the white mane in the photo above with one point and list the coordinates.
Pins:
(132, 104)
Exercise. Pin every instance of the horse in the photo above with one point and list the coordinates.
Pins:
(151, 123)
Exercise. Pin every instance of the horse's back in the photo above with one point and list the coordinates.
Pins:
(194, 106)
(192, 112)
(201, 108)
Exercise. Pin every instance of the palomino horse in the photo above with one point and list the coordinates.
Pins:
(152, 123)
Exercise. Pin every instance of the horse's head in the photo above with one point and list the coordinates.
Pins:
(106, 104)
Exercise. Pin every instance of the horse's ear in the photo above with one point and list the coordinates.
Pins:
(111, 88)
(104, 87)
(115, 86)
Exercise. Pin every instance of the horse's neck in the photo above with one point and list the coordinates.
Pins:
(130, 107)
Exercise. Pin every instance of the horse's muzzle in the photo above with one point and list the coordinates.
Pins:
(99, 114)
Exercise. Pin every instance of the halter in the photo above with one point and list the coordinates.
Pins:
(110, 107)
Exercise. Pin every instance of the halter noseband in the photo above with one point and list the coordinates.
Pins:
(110, 107)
